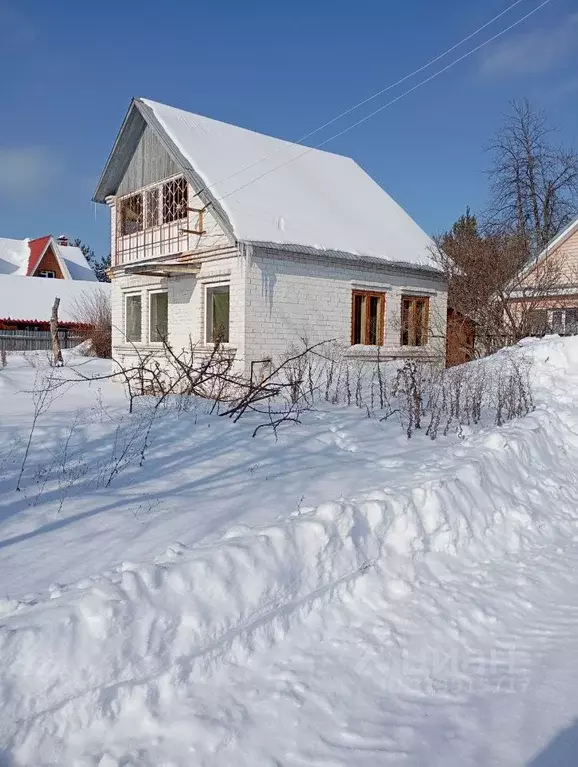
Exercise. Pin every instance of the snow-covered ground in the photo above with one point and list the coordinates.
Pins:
(338, 596)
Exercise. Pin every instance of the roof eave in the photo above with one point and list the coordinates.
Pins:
(402, 266)
(127, 138)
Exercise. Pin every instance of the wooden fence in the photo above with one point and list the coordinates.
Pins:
(36, 340)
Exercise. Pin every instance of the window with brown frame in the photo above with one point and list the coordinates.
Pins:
(367, 318)
(131, 214)
(414, 320)
(175, 200)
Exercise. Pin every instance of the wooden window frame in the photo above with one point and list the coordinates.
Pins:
(411, 331)
(367, 294)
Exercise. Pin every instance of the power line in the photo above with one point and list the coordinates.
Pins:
(373, 96)
(388, 104)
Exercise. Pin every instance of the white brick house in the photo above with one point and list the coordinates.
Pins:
(220, 232)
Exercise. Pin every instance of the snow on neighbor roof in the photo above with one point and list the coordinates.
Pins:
(14, 256)
(321, 200)
(76, 263)
(23, 256)
(26, 299)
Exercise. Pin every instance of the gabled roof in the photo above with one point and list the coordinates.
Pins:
(22, 257)
(38, 248)
(550, 248)
(265, 190)
(559, 239)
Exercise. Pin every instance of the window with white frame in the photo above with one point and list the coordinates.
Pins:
(217, 314)
(158, 316)
(133, 317)
(47, 273)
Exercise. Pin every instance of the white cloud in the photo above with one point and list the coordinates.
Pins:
(532, 52)
(26, 171)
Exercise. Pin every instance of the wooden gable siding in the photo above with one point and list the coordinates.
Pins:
(565, 259)
(149, 164)
(49, 262)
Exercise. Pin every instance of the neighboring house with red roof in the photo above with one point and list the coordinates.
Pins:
(32, 274)
(46, 257)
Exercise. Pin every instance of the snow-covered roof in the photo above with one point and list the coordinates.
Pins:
(76, 263)
(23, 256)
(13, 256)
(28, 299)
(274, 191)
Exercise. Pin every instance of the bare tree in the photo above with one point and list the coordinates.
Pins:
(93, 312)
(534, 181)
(488, 282)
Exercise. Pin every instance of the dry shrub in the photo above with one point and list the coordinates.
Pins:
(93, 311)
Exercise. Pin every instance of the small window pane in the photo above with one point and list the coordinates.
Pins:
(374, 320)
(558, 321)
(159, 317)
(571, 322)
(218, 314)
(174, 200)
(358, 318)
(419, 322)
(131, 214)
(414, 321)
(538, 322)
(133, 322)
(152, 208)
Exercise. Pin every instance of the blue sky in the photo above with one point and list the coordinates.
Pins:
(69, 69)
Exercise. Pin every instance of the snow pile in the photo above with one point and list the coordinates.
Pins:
(274, 191)
(84, 654)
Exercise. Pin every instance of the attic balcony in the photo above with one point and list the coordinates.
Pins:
(157, 221)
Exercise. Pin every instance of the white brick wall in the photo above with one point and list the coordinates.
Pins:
(292, 297)
(186, 306)
(274, 302)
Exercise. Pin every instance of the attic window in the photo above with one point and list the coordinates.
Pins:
(175, 200)
(47, 273)
(131, 214)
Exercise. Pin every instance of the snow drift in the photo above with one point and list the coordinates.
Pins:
(84, 653)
